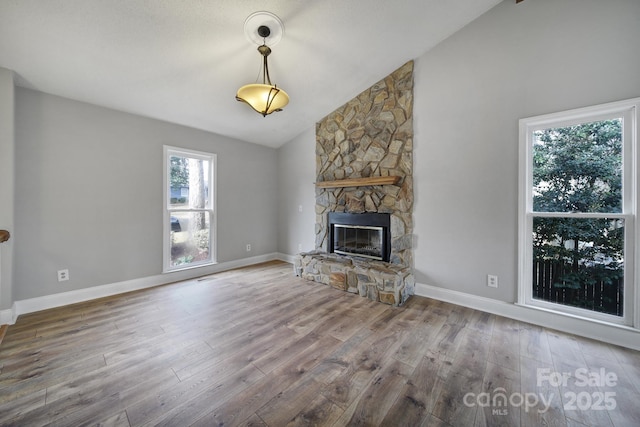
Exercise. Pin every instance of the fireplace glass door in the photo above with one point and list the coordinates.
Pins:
(364, 241)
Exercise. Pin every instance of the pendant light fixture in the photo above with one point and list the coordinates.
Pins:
(265, 97)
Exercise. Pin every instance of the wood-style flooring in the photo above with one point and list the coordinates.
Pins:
(258, 346)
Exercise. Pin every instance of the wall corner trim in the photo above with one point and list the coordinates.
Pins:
(285, 257)
(8, 316)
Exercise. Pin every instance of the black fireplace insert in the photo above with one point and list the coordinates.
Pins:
(366, 235)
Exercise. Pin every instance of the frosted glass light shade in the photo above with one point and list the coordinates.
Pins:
(263, 98)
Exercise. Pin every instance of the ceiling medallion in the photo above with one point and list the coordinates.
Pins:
(265, 98)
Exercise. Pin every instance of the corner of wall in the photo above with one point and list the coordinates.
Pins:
(7, 183)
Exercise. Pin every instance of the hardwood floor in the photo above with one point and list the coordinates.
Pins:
(259, 346)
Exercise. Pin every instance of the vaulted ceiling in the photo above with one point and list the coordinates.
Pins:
(182, 61)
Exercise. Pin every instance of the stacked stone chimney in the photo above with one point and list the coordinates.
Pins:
(371, 135)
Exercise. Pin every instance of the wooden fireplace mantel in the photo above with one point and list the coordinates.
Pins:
(359, 182)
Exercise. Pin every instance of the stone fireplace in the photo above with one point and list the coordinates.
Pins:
(370, 136)
(364, 170)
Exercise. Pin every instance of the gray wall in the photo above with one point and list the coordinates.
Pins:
(515, 61)
(297, 173)
(89, 194)
(7, 191)
(88, 180)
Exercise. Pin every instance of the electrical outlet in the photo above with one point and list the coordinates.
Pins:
(299, 208)
(299, 247)
(492, 281)
(248, 247)
(63, 275)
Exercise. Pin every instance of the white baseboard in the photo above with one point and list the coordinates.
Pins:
(618, 335)
(613, 334)
(9, 316)
(285, 257)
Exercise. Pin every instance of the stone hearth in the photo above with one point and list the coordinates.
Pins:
(379, 281)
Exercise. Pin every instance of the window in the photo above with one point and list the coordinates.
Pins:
(578, 208)
(189, 214)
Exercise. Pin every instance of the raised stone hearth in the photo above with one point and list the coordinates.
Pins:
(379, 281)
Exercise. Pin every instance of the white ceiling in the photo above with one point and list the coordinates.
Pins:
(183, 60)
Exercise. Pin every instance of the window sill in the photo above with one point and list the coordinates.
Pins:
(189, 267)
(621, 326)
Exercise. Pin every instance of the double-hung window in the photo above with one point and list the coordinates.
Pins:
(578, 212)
(189, 213)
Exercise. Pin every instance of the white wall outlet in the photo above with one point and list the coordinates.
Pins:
(492, 281)
(299, 208)
(248, 247)
(63, 275)
(299, 247)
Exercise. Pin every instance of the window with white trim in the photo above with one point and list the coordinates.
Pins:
(189, 213)
(578, 249)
